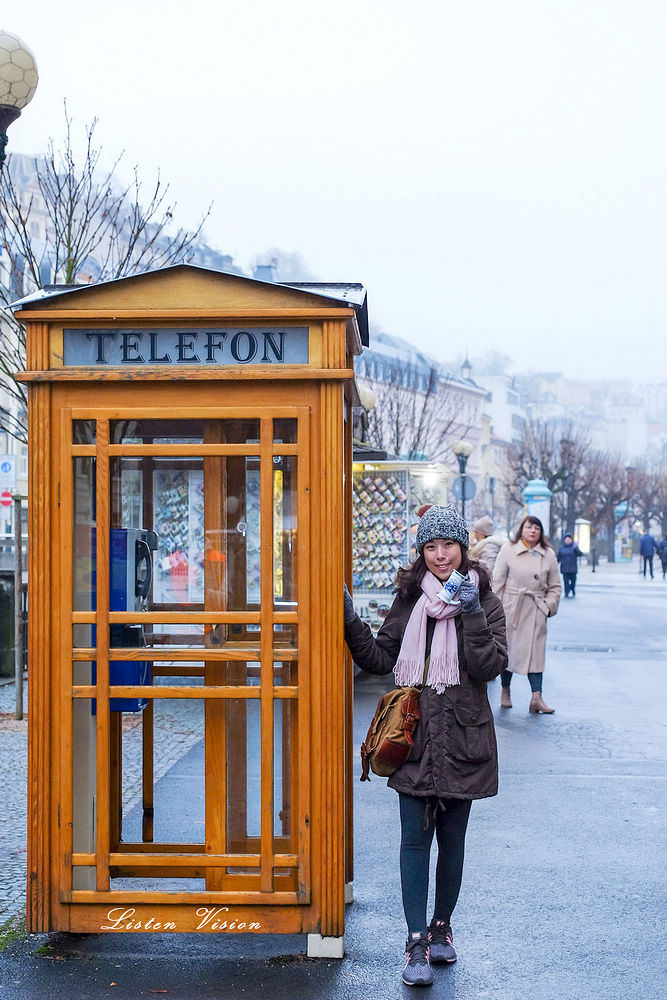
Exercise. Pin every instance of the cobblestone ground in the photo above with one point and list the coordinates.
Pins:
(13, 768)
(178, 727)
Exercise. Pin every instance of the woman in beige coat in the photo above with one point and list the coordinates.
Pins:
(527, 581)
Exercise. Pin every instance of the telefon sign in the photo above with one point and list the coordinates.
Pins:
(95, 348)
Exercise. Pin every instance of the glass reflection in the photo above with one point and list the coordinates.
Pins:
(84, 538)
(184, 431)
(204, 514)
(285, 500)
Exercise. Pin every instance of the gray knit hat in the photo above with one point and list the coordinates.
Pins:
(484, 526)
(441, 522)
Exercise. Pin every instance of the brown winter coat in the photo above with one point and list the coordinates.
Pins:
(454, 753)
(527, 581)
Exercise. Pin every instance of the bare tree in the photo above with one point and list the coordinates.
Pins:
(610, 489)
(649, 494)
(413, 415)
(559, 453)
(73, 220)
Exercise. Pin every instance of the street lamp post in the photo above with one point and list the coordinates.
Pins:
(18, 82)
(463, 451)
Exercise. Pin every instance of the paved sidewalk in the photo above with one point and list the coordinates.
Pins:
(620, 574)
(563, 893)
(13, 767)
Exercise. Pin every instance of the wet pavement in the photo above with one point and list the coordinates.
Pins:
(563, 892)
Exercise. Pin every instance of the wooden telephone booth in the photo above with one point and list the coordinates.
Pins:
(190, 696)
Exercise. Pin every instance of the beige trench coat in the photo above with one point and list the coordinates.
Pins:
(486, 550)
(527, 582)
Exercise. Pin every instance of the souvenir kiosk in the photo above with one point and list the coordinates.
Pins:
(190, 530)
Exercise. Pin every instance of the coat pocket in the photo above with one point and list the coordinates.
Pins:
(473, 739)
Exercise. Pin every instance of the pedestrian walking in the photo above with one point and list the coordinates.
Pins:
(527, 581)
(568, 555)
(454, 759)
(485, 544)
(647, 551)
(661, 549)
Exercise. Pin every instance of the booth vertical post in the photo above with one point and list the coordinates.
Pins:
(41, 501)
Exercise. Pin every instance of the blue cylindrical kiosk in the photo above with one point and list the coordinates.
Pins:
(537, 498)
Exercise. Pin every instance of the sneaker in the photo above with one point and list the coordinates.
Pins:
(417, 971)
(440, 943)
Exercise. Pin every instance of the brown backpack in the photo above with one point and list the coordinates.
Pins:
(389, 738)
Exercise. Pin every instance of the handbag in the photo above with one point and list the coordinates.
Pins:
(389, 738)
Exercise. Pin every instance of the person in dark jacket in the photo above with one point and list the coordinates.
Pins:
(661, 549)
(567, 556)
(647, 551)
(454, 757)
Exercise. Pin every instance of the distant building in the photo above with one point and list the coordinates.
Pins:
(421, 408)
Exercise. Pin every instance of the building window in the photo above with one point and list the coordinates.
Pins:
(24, 460)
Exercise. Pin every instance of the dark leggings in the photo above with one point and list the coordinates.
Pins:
(420, 818)
(535, 680)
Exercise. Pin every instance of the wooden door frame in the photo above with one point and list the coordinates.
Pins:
(323, 453)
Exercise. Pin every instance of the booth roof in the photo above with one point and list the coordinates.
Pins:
(352, 293)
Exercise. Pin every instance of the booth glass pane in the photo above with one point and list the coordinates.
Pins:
(84, 780)
(285, 673)
(185, 431)
(243, 760)
(233, 673)
(190, 528)
(84, 535)
(84, 432)
(83, 637)
(284, 770)
(176, 672)
(176, 750)
(83, 670)
(285, 502)
(285, 430)
(285, 636)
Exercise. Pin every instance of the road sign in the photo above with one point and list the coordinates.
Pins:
(7, 472)
(464, 488)
(6, 498)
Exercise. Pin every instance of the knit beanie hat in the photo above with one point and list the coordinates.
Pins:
(484, 526)
(441, 522)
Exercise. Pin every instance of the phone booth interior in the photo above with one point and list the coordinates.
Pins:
(190, 517)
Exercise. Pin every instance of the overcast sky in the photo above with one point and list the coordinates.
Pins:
(494, 173)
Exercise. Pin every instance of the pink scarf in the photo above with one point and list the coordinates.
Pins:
(443, 671)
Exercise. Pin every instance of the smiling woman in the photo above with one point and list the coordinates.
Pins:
(527, 581)
(449, 649)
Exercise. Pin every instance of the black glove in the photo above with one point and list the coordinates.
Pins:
(349, 614)
(468, 595)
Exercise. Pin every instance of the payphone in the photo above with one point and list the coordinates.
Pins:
(131, 557)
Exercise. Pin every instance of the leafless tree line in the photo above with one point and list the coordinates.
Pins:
(414, 415)
(586, 482)
(90, 221)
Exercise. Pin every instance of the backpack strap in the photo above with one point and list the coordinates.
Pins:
(427, 662)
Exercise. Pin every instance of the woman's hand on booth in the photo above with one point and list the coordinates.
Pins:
(349, 614)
